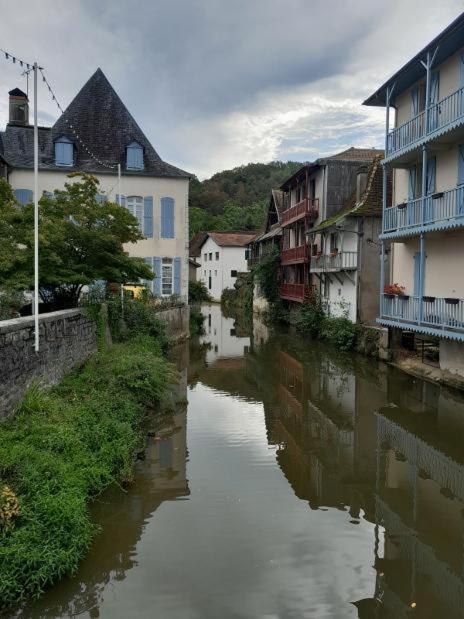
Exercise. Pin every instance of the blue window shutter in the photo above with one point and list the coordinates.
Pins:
(64, 152)
(414, 102)
(431, 170)
(417, 261)
(167, 218)
(148, 216)
(411, 183)
(461, 164)
(157, 272)
(177, 272)
(134, 156)
(434, 87)
(101, 197)
(123, 200)
(23, 196)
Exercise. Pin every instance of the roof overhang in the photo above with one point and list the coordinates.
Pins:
(449, 41)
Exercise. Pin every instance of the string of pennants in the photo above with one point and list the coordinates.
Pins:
(29, 67)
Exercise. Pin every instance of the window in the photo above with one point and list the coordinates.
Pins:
(64, 152)
(210, 255)
(233, 273)
(134, 156)
(205, 257)
(232, 331)
(204, 273)
(217, 255)
(166, 277)
(134, 205)
(215, 272)
(167, 218)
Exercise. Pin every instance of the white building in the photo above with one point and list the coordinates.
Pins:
(222, 256)
(95, 134)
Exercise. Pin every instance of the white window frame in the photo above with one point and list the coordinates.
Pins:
(134, 204)
(165, 263)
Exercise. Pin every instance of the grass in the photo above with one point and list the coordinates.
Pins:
(61, 450)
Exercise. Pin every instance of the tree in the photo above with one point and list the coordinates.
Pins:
(81, 241)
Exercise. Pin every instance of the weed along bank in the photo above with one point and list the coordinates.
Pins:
(63, 446)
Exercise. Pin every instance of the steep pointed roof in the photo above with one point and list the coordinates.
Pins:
(104, 125)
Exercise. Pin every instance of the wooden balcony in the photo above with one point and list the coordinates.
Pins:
(295, 255)
(341, 261)
(294, 292)
(309, 207)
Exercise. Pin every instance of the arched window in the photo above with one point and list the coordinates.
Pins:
(134, 156)
(64, 152)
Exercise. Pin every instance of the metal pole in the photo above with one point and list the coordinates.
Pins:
(120, 202)
(36, 217)
(382, 274)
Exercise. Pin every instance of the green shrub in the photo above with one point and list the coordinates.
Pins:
(198, 293)
(196, 322)
(10, 304)
(340, 332)
(310, 317)
(265, 273)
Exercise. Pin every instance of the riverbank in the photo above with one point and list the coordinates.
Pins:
(61, 449)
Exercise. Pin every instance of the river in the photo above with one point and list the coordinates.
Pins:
(297, 483)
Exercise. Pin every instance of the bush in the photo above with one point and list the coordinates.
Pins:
(265, 273)
(198, 293)
(310, 317)
(11, 304)
(340, 332)
(196, 323)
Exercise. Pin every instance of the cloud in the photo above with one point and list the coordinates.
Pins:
(216, 84)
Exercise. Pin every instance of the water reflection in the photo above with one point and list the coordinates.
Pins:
(319, 485)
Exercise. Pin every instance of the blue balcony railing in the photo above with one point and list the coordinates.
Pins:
(442, 115)
(445, 208)
(432, 312)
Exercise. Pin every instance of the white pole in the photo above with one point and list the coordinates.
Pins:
(120, 202)
(36, 217)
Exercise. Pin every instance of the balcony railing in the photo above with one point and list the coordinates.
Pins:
(441, 115)
(432, 312)
(253, 261)
(309, 207)
(294, 255)
(295, 292)
(444, 207)
(341, 261)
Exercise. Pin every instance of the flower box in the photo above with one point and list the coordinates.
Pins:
(402, 205)
(438, 195)
(451, 300)
(428, 299)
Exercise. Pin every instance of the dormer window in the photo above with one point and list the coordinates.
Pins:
(134, 154)
(64, 152)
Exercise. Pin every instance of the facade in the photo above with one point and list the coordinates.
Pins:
(223, 255)
(344, 251)
(95, 134)
(424, 221)
(316, 192)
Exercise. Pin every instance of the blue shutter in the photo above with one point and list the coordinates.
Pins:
(148, 216)
(417, 261)
(64, 152)
(431, 168)
(123, 200)
(100, 198)
(23, 196)
(167, 218)
(134, 157)
(411, 183)
(434, 87)
(157, 272)
(177, 273)
(414, 101)
(461, 164)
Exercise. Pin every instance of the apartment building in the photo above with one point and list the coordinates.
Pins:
(424, 220)
(315, 193)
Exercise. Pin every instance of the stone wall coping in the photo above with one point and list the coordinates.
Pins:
(25, 322)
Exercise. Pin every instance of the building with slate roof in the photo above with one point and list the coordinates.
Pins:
(316, 192)
(424, 218)
(95, 133)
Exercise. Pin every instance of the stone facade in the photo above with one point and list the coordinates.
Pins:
(67, 338)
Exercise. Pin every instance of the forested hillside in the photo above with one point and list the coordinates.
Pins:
(236, 199)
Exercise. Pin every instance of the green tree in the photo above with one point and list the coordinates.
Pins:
(80, 239)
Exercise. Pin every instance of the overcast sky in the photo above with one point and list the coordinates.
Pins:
(219, 83)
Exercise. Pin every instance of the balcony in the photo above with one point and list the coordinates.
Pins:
(442, 210)
(295, 255)
(443, 317)
(309, 207)
(341, 261)
(253, 261)
(444, 116)
(294, 292)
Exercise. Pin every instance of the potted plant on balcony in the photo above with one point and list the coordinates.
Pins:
(395, 290)
(334, 252)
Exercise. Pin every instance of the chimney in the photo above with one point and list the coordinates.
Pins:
(361, 182)
(19, 108)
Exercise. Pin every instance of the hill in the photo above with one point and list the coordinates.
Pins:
(236, 199)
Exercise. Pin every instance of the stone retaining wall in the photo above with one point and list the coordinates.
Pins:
(176, 320)
(67, 338)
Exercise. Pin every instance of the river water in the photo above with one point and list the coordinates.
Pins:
(298, 482)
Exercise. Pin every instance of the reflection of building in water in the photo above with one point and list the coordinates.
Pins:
(161, 476)
(221, 335)
(260, 330)
(420, 502)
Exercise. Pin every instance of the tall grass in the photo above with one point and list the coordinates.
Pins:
(62, 449)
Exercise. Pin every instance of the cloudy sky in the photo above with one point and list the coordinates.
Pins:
(219, 83)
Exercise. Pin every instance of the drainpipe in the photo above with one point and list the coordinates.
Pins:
(421, 275)
(382, 274)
